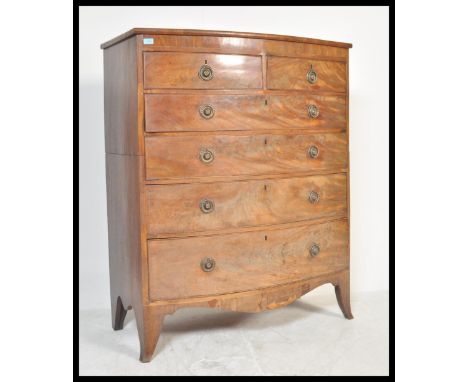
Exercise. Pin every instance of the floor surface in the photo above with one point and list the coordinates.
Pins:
(308, 337)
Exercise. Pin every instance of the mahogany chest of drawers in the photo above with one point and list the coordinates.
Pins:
(227, 172)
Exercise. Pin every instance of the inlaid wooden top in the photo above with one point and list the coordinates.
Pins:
(196, 32)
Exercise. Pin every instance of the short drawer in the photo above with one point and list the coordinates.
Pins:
(180, 208)
(306, 74)
(211, 265)
(217, 155)
(201, 71)
(199, 112)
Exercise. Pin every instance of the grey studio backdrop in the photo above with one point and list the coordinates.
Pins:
(365, 27)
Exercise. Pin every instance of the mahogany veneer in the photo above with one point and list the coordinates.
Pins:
(227, 172)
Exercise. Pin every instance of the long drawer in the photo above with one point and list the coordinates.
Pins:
(214, 155)
(306, 74)
(211, 265)
(201, 71)
(179, 208)
(201, 112)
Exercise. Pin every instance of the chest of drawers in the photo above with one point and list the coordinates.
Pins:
(227, 172)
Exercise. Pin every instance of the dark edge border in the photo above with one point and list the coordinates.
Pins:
(388, 3)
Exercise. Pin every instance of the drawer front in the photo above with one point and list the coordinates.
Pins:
(214, 155)
(292, 73)
(177, 208)
(182, 112)
(244, 261)
(185, 71)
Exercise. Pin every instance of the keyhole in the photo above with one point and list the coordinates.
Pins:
(265, 141)
(206, 62)
(266, 102)
(265, 187)
(266, 237)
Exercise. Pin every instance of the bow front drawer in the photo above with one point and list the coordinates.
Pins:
(214, 155)
(305, 74)
(201, 71)
(191, 208)
(200, 112)
(210, 265)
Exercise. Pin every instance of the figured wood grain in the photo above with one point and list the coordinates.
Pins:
(229, 178)
(257, 228)
(223, 35)
(177, 156)
(204, 44)
(175, 209)
(257, 300)
(234, 45)
(291, 73)
(163, 112)
(305, 50)
(262, 92)
(180, 70)
(291, 111)
(244, 261)
(121, 99)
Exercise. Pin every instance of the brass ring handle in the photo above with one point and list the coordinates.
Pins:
(314, 249)
(313, 152)
(207, 264)
(207, 111)
(205, 73)
(314, 197)
(207, 206)
(313, 111)
(312, 75)
(206, 156)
